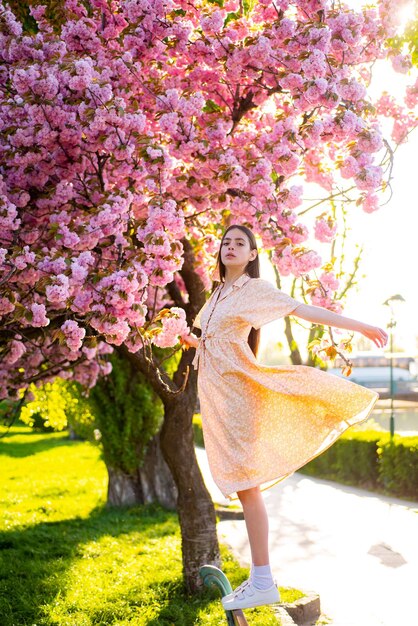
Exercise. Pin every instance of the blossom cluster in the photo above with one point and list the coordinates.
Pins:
(172, 328)
(139, 126)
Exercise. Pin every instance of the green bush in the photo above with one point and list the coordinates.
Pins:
(370, 459)
(127, 413)
(398, 466)
(352, 459)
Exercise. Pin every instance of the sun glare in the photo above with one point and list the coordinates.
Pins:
(407, 13)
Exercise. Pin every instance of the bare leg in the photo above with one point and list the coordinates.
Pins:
(261, 587)
(256, 520)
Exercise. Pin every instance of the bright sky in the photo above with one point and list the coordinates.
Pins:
(391, 233)
(390, 236)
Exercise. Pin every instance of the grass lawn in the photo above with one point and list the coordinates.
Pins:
(67, 560)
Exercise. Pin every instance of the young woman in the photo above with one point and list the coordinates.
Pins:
(261, 423)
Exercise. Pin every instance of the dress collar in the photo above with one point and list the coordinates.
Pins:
(237, 284)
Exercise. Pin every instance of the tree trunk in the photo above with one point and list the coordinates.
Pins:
(194, 505)
(152, 482)
(295, 355)
(122, 489)
(156, 480)
(72, 435)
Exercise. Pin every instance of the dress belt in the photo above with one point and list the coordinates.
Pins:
(200, 350)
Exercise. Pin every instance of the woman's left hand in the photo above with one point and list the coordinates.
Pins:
(189, 341)
(375, 334)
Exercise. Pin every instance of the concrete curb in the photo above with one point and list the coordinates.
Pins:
(225, 512)
(304, 610)
(283, 616)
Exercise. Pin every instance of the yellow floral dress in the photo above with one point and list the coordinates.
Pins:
(261, 422)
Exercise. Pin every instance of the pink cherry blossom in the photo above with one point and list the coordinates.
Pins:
(39, 317)
(172, 328)
(325, 228)
(16, 351)
(402, 63)
(329, 281)
(58, 292)
(74, 334)
(370, 203)
(369, 178)
(214, 22)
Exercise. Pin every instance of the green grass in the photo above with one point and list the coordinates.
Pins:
(67, 560)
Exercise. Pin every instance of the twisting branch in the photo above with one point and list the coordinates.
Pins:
(54, 369)
(8, 275)
(240, 108)
(350, 281)
(391, 164)
(343, 192)
(12, 413)
(156, 376)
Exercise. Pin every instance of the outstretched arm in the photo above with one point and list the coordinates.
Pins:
(318, 315)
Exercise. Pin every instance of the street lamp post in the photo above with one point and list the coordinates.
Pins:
(391, 325)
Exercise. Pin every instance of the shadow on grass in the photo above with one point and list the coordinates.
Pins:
(34, 562)
(20, 449)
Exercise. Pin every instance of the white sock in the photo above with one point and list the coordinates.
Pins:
(261, 576)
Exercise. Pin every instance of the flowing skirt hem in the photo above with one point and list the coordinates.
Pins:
(333, 435)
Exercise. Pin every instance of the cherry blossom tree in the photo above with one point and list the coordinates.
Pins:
(129, 136)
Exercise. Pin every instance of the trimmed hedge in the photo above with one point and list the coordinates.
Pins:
(352, 459)
(398, 466)
(371, 460)
(364, 458)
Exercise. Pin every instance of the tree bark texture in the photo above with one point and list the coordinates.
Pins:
(152, 482)
(194, 505)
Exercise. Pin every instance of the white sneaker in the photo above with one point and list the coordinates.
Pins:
(246, 596)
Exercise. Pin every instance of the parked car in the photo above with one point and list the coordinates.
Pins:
(379, 377)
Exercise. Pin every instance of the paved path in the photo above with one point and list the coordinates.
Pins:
(359, 551)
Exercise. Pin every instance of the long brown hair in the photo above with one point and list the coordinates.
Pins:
(252, 269)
